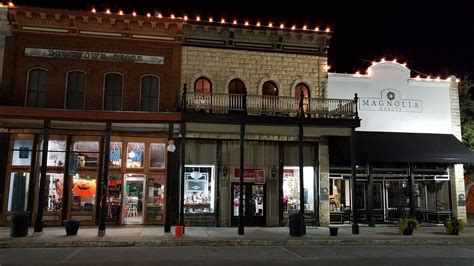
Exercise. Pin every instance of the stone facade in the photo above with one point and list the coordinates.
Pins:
(254, 68)
(324, 182)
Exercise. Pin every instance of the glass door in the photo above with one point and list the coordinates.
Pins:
(133, 191)
(253, 204)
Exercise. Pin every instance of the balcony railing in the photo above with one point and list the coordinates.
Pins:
(220, 103)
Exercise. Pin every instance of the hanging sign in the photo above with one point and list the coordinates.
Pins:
(251, 174)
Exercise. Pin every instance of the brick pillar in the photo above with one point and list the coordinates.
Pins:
(5, 30)
(323, 182)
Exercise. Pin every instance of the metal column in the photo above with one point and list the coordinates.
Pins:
(105, 181)
(42, 190)
(241, 181)
(355, 225)
(183, 168)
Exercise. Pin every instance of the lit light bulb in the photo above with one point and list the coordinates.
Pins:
(282, 26)
(159, 15)
(270, 24)
(131, 154)
(198, 18)
(357, 73)
(185, 17)
(305, 27)
(316, 29)
(211, 20)
(234, 22)
(134, 14)
(328, 29)
(258, 24)
(120, 12)
(222, 20)
(438, 78)
(10, 4)
(148, 15)
(172, 16)
(458, 80)
(373, 62)
(107, 11)
(394, 60)
(428, 78)
(246, 23)
(328, 67)
(383, 60)
(93, 10)
(417, 77)
(293, 27)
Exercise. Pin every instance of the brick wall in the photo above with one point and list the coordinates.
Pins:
(253, 68)
(17, 65)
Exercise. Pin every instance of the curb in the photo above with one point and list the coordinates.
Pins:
(228, 242)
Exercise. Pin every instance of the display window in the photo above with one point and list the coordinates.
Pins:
(54, 192)
(199, 189)
(18, 191)
(22, 152)
(398, 194)
(155, 198)
(291, 188)
(83, 192)
(432, 196)
(135, 152)
(157, 155)
(115, 154)
(115, 197)
(85, 154)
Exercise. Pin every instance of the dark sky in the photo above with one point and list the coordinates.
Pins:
(432, 38)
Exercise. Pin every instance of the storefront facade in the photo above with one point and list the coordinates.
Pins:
(102, 112)
(409, 150)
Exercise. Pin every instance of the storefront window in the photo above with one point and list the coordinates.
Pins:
(86, 154)
(22, 150)
(83, 192)
(155, 200)
(339, 194)
(199, 189)
(56, 153)
(157, 155)
(18, 196)
(115, 197)
(360, 196)
(54, 192)
(135, 152)
(291, 188)
(432, 196)
(115, 154)
(398, 194)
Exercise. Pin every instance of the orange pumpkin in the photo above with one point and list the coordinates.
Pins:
(84, 187)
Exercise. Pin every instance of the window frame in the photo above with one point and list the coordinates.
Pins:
(67, 89)
(104, 94)
(158, 92)
(206, 79)
(28, 83)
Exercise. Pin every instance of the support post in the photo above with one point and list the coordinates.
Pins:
(301, 164)
(370, 196)
(219, 171)
(355, 225)
(167, 227)
(241, 181)
(183, 168)
(105, 180)
(412, 190)
(281, 164)
(66, 190)
(42, 190)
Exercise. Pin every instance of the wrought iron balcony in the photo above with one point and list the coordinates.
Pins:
(258, 105)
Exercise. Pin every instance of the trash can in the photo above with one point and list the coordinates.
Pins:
(333, 231)
(296, 224)
(19, 224)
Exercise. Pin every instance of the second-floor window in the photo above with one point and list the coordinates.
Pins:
(302, 88)
(76, 87)
(269, 96)
(36, 91)
(113, 92)
(202, 85)
(150, 93)
(203, 90)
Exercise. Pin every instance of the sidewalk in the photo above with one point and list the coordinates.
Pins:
(227, 236)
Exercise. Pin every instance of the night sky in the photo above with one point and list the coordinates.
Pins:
(433, 39)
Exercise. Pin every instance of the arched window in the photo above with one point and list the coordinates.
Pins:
(269, 89)
(236, 86)
(150, 93)
(202, 85)
(113, 92)
(36, 91)
(301, 87)
(76, 88)
(269, 97)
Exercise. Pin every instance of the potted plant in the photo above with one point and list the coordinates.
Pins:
(407, 224)
(453, 225)
(71, 227)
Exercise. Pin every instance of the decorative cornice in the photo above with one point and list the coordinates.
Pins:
(60, 21)
(253, 38)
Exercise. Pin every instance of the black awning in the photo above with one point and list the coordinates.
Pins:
(401, 147)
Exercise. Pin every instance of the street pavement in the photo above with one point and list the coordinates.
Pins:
(244, 255)
(154, 236)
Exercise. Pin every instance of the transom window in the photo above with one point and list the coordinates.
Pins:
(76, 87)
(113, 92)
(36, 94)
(202, 85)
(150, 93)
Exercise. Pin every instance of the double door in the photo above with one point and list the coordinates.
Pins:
(254, 201)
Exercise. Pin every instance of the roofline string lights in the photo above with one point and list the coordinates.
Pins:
(418, 77)
(245, 23)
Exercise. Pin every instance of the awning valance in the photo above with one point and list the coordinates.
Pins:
(401, 147)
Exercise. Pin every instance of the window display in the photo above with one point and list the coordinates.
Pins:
(155, 199)
(115, 197)
(86, 154)
(199, 189)
(432, 196)
(291, 188)
(54, 197)
(115, 154)
(83, 192)
(157, 155)
(398, 194)
(22, 149)
(135, 152)
(339, 194)
(56, 153)
(18, 196)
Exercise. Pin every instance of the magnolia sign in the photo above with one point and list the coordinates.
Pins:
(391, 101)
(99, 56)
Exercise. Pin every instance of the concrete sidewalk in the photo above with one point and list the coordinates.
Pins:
(227, 236)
